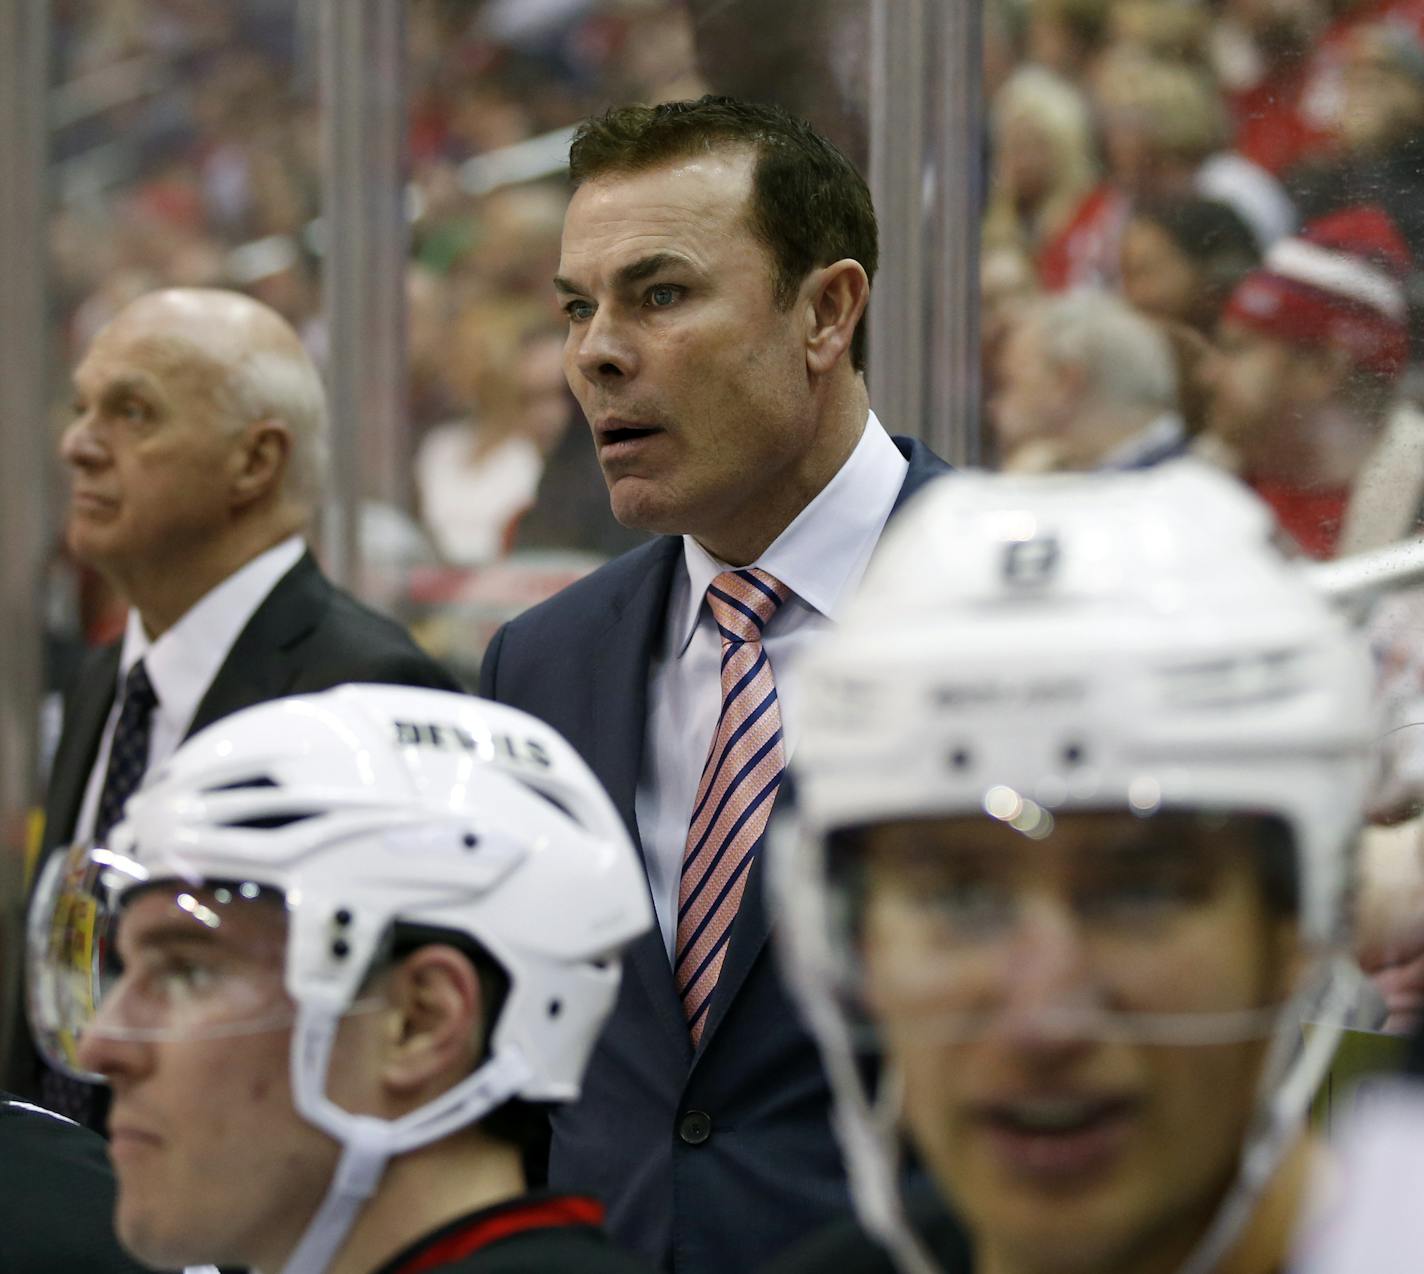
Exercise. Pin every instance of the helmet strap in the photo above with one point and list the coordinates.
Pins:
(367, 1143)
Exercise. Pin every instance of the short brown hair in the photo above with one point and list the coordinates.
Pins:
(809, 205)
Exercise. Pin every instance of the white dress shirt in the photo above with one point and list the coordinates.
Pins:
(183, 661)
(820, 557)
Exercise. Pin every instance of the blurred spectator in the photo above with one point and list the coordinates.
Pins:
(1086, 383)
(476, 476)
(1312, 345)
(1262, 57)
(1067, 36)
(1167, 32)
(1007, 281)
(1380, 157)
(1044, 192)
(1182, 258)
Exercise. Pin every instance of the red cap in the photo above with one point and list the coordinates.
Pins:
(1338, 285)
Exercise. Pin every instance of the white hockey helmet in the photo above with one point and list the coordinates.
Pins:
(1125, 641)
(367, 810)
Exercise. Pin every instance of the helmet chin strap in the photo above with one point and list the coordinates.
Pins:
(367, 1143)
(1293, 1073)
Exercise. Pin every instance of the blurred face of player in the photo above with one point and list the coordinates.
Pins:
(1065, 1141)
(692, 377)
(214, 1165)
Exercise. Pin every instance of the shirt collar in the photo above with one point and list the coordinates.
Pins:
(822, 554)
(184, 660)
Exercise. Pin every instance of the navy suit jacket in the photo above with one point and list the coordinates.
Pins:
(709, 1161)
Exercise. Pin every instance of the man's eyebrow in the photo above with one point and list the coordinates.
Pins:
(131, 385)
(176, 932)
(634, 272)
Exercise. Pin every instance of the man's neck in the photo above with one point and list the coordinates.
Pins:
(742, 538)
(426, 1189)
(163, 592)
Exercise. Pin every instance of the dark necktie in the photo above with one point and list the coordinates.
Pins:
(738, 787)
(128, 753)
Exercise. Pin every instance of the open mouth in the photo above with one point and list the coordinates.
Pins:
(625, 433)
(1058, 1137)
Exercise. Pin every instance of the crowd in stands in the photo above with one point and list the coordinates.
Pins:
(1161, 150)
(1217, 165)
(186, 153)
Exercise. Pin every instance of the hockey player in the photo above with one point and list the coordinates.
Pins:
(1076, 793)
(340, 953)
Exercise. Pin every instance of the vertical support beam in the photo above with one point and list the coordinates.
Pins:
(926, 168)
(24, 442)
(897, 351)
(955, 158)
(365, 246)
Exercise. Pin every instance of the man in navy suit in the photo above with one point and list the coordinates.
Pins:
(716, 263)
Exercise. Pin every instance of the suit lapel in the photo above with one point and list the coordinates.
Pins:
(618, 679)
(261, 664)
(86, 711)
(752, 926)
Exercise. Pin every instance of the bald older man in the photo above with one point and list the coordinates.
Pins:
(196, 456)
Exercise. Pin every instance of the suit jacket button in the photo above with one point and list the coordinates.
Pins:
(695, 1127)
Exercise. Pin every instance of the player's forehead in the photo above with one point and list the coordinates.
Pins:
(238, 920)
(1015, 827)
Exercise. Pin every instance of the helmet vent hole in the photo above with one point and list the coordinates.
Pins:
(240, 785)
(555, 1007)
(470, 840)
(1073, 753)
(961, 758)
(272, 822)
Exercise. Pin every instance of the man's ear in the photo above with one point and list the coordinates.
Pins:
(437, 1021)
(835, 299)
(262, 455)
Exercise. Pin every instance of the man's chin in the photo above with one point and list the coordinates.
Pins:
(641, 505)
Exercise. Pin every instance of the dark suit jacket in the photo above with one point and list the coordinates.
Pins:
(306, 636)
(708, 1162)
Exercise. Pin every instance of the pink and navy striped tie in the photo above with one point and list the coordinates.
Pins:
(736, 791)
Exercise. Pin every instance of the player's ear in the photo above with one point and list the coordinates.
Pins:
(437, 1022)
(260, 460)
(834, 299)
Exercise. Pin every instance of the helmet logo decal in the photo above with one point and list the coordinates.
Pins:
(449, 737)
(1031, 563)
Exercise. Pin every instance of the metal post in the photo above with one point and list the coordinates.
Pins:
(24, 521)
(365, 245)
(897, 301)
(955, 156)
(926, 129)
